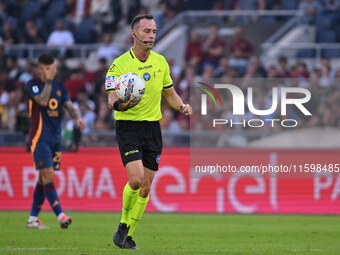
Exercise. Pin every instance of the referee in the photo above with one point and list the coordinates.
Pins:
(137, 127)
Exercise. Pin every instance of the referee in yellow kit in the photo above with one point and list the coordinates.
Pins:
(137, 128)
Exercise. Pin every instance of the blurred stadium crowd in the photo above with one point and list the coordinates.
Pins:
(69, 22)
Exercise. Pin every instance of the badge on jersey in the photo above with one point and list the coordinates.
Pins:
(146, 76)
(110, 82)
(35, 89)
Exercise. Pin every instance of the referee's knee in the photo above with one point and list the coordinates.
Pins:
(135, 182)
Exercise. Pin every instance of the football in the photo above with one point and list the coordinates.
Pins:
(130, 86)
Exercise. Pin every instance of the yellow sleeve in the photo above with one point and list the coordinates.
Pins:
(111, 77)
(167, 81)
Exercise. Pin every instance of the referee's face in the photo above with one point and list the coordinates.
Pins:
(145, 34)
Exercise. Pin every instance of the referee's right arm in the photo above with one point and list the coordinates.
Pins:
(111, 99)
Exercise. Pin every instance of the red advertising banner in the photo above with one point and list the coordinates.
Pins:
(93, 180)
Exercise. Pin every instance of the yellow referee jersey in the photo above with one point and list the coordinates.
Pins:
(154, 71)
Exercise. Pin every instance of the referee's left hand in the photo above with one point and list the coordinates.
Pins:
(186, 109)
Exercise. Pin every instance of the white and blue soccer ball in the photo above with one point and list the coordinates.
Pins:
(130, 86)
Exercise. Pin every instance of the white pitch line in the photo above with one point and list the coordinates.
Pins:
(44, 249)
(297, 250)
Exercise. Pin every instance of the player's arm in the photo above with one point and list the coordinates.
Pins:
(44, 96)
(74, 114)
(176, 102)
(113, 102)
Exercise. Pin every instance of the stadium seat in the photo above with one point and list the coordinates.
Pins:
(268, 19)
(29, 11)
(330, 53)
(289, 5)
(84, 32)
(306, 53)
(323, 22)
(337, 31)
(54, 12)
(326, 36)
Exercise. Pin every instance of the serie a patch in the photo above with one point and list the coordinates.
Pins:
(110, 82)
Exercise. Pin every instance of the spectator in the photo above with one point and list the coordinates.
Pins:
(193, 49)
(310, 9)
(170, 125)
(61, 37)
(212, 47)
(2, 58)
(325, 80)
(117, 12)
(10, 111)
(249, 76)
(104, 115)
(273, 72)
(240, 47)
(108, 50)
(83, 98)
(240, 51)
(283, 70)
(169, 9)
(74, 83)
(337, 74)
(3, 14)
(64, 72)
(100, 75)
(260, 71)
(100, 125)
(88, 116)
(78, 9)
(301, 70)
(331, 6)
(250, 5)
(325, 62)
(102, 10)
(12, 68)
(8, 34)
(4, 96)
(208, 71)
(29, 70)
(88, 77)
(189, 77)
(31, 34)
(222, 67)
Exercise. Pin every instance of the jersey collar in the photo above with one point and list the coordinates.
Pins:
(134, 56)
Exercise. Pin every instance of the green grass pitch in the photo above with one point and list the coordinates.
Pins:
(162, 233)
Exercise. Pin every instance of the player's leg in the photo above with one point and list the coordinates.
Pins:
(38, 200)
(128, 138)
(42, 158)
(52, 196)
(63, 219)
(152, 150)
(142, 200)
(50, 161)
(135, 173)
(139, 207)
(130, 193)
